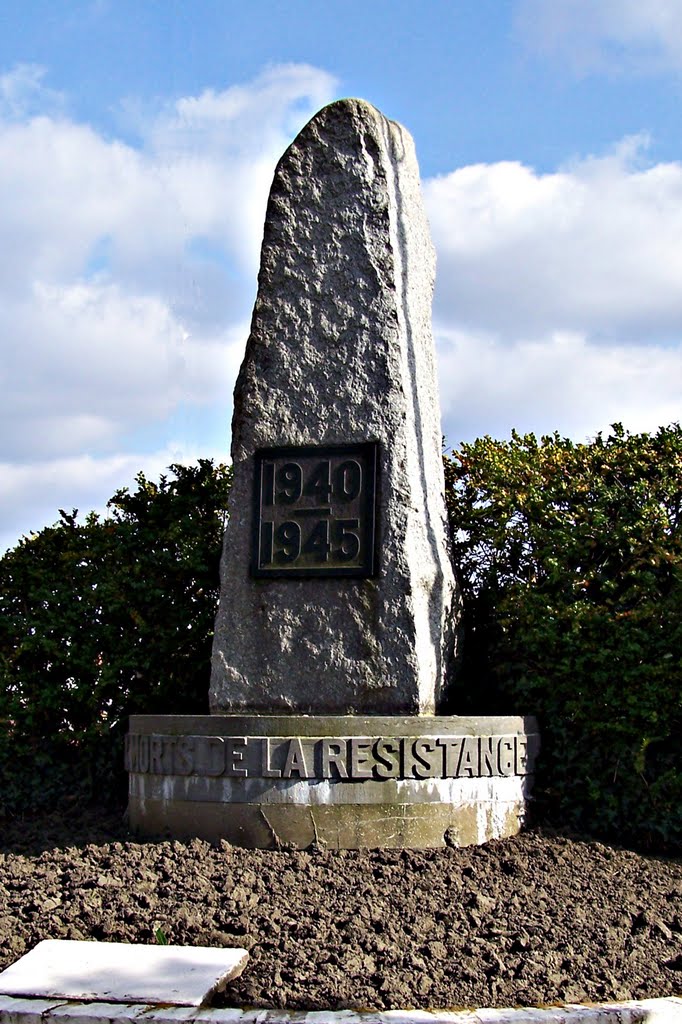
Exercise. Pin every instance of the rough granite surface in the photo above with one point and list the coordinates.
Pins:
(341, 352)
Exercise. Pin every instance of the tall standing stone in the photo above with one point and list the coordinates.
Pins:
(340, 355)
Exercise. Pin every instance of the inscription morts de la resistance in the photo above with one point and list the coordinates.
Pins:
(337, 758)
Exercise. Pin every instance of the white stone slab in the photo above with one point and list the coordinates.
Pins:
(25, 1011)
(116, 972)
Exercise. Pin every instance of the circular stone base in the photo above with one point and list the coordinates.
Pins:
(345, 782)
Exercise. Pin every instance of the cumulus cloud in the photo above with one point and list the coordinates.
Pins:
(128, 275)
(559, 381)
(31, 493)
(95, 362)
(594, 247)
(606, 35)
(559, 296)
(23, 91)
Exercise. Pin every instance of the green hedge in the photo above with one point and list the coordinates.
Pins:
(99, 620)
(571, 564)
(570, 559)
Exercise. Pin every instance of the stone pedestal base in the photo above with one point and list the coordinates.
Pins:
(345, 782)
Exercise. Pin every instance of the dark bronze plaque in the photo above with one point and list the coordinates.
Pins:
(315, 511)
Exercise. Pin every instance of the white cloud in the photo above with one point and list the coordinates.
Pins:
(22, 91)
(644, 36)
(95, 362)
(559, 296)
(594, 248)
(559, 381)
(128, 273)
(31, 493)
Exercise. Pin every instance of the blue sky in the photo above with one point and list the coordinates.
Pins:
(137, 143)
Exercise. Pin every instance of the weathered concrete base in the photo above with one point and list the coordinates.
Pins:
(347, 782)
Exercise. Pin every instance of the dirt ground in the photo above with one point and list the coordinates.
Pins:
(536, 919)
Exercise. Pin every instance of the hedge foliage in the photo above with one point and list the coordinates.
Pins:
(101, 619)
(570, 559)
(571, 563)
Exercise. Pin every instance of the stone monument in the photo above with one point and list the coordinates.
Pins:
(346, 601)
(336, 633)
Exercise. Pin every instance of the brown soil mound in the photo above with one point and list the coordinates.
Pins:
(535, 919)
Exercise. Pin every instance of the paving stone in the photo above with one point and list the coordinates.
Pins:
(652, 1011)
(122, 973)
